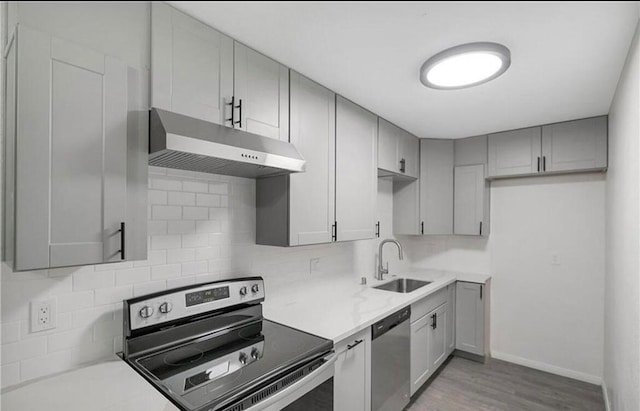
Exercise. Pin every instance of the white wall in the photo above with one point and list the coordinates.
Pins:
(543, 315)
(622, 295)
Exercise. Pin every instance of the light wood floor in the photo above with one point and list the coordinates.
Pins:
(464, 385)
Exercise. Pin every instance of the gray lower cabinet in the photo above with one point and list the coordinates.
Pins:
(431, 320)
(356, 171)
(472, 317)
(352, 378)
(571, 146)
(191, 66)
(299, 209)
(471, 201)
(67, 154)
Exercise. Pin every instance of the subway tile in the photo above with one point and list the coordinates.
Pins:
(208, 226)
(95, 351)
(156, 228)
(180, 255)
(93, 280)
(165, 184)
(10, 374)
(107, 329)
(93, 315)
(10, 332)
(148, 288)
(181, 227)
(194, 267)
(69, 271)
(21, 350)
(164, 242)
(205, 278)
(183, 199)
(219, 214)
(64, 323)
(154, 257)
(207, 253)
(195, 186)
(133, 276)
(113, 295)
(224, 201)
(157, 197)
(113, 266)
(162, 272)
(180, 282)
(195, 240)
(70, 339)
(45, 365)
(208, 200)
(195, 213)
(159, 212)
(75, 301)
(154, 170)
(219, 188)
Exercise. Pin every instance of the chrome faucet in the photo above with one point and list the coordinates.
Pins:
(381, 269)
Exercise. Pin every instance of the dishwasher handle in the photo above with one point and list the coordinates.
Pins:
(390, 322)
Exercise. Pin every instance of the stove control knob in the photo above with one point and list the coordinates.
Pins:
(242, 358)
(165, 307)
(146, 311)
(243, 291)
(255, 354)
(255, 288)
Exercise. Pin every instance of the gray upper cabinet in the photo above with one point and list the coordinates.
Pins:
(513, 153)
(397, 151)
(300, 209)
(575, 145)
(191, 66)
(470, 151)
(436, 187)
(571, 146)
(356, 171)
(68, 148)
(471, 194)
(261, 91)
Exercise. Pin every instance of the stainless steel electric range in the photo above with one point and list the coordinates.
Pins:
(207, 347)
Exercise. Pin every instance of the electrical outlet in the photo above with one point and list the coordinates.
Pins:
(43, 315)
(555, 259)
(314, 265)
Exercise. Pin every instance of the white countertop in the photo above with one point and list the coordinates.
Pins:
(337, 306)
(108, 386)
(330, 306)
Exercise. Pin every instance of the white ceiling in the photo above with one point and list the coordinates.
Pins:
(566, 56)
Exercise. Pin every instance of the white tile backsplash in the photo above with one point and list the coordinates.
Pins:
(201, 228)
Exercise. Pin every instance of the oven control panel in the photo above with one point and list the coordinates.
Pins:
(184, 302)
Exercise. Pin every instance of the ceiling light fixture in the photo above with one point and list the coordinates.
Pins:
(465, 65)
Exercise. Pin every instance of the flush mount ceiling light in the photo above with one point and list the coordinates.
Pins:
(465, 65)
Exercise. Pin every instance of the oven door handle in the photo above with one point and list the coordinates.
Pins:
(299, 388)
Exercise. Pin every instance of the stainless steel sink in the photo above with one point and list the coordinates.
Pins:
(402, 285)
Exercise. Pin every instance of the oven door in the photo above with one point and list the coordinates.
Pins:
(312, 393)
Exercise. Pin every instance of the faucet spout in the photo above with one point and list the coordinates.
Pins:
(381, 269)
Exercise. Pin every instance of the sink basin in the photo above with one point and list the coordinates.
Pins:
(402, 285)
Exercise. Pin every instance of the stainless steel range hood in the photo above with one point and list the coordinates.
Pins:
(187, 143)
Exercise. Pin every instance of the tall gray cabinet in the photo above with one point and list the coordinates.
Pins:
(67, 152)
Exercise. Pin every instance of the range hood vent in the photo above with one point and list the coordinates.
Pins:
(187, 143)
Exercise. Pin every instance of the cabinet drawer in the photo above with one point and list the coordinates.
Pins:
(428, 304)
(344, 345)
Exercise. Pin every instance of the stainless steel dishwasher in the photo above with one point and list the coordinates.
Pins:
(390, 362)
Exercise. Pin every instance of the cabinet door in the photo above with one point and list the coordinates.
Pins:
(469, 201)
(71, 153)
(312, 193)
(420, 365)
(408, 154)
(575, 145)
(436, 186)
(470, 318)
(192, 66)
(388, 139)
(406, 207)
(352, 374)
(451, 325)
(356, 173)
(438, 336)
(263, 86)
(514, 152)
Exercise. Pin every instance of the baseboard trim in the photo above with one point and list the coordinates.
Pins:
(564, 372)
(605, 395)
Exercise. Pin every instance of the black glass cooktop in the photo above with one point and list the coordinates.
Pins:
(215, 370)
